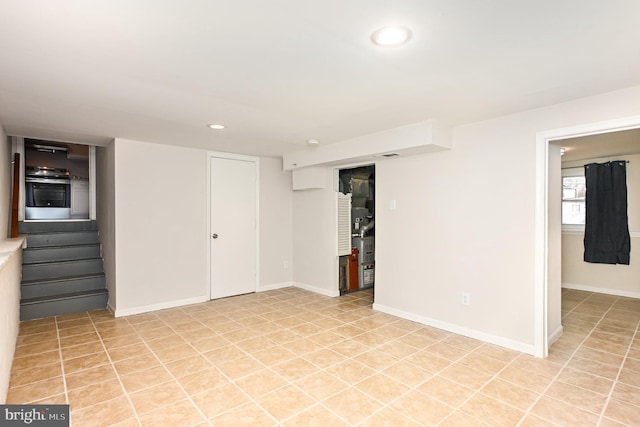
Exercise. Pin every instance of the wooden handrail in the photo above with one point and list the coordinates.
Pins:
(16, 195)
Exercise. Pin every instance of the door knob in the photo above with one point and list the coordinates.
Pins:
(214, 235)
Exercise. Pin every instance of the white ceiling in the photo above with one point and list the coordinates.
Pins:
(280, 72)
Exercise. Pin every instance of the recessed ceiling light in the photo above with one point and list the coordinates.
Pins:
(313, 142)
(216, 126)
(391, 36)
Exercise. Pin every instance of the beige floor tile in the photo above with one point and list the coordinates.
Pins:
(273, 355)
(247, 415)
(492, 411)
(460, 419)
(137, 363)
(462, 374)
(224, 354)
(77, 330)
(240, 367)
(482, 363)
(156, 397)
(593, 367)
(388, 417)
(295, 369)
(534, 382)
(627, 393)
(397, 349)
(578, 397)
(188, 365)
(127, 352)
(38, 359)
(562, 413)
(316, 416)
(407, 373)
(107, 413)
(351, 371)
(302, 346)
(145, 378)
(58, 399)
(35, 391)
(623, 412)
(79, 339)
(95, 393)
(285, 402)
(382, 388)
(35, 374)
(496, 352)
(169, 354)
(202, 381)
(422, 408)
(446, 391)
(50, 335)
(321, 385)
(216, 401)
(586, 381)
(352, 405)
(510, 393)
(178, 414)
(90, 376)
(533, 421)
(122, 341)
(34, 349)
(261, 383)
(82, 350)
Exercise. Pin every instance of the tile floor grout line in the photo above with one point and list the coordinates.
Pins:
(170, 374)
(564, 366)
(615, 382)
(114, 369)
(64, 376)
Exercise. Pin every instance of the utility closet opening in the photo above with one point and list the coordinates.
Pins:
(357, 268)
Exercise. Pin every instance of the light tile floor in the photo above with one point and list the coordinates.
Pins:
(290, 357)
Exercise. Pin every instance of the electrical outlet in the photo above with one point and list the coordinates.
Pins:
(465, 298)
(285, 263)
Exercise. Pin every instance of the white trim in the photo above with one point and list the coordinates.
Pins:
(92, 182)
(555, 336)
(573, 232)
(450, 327)
(541, 262)
(634, 234)
(274, 286)
(159, 306)
(232, 156)
(608, 291)
(325, 292)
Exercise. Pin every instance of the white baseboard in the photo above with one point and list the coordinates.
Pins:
(159, 306)
(555, 335)
(471, 333)
(607, 291)
(321, 291)
(274, 286)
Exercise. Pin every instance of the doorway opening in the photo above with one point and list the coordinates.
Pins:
(56, 180)
(548, 225)
(357, 269)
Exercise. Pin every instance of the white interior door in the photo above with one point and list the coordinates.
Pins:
(233, 238)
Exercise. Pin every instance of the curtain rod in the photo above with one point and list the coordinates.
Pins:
(574, 167)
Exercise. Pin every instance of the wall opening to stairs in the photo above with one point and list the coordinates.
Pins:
(62, 269)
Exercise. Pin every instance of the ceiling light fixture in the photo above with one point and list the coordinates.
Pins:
(313, 142)
(562, 151)
(216, 126)
(391, 36)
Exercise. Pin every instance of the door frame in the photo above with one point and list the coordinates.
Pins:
(542, 259)
(242, 157)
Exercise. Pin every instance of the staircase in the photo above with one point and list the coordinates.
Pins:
(61, 269)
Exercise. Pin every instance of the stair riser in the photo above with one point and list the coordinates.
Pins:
(35, 290)
(59, 270)
(60, 254)
(62, 239)
(56, 226)
(64, 306)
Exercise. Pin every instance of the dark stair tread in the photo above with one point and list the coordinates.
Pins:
(66, 261)
(58, 246)
(37, 227)
(62, 279)
(36, 300)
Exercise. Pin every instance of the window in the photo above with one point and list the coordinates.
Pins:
(574, 191)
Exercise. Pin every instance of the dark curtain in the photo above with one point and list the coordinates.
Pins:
(606, 234)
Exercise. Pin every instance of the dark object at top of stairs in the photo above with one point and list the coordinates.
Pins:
(56, 226)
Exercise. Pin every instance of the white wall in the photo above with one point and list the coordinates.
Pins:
(314, 238)
(554, 245)
(105, 216)
(10, 271)
(6, 178)
(276, 230)
(612, 279)
(465, 222)
(160, 225)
